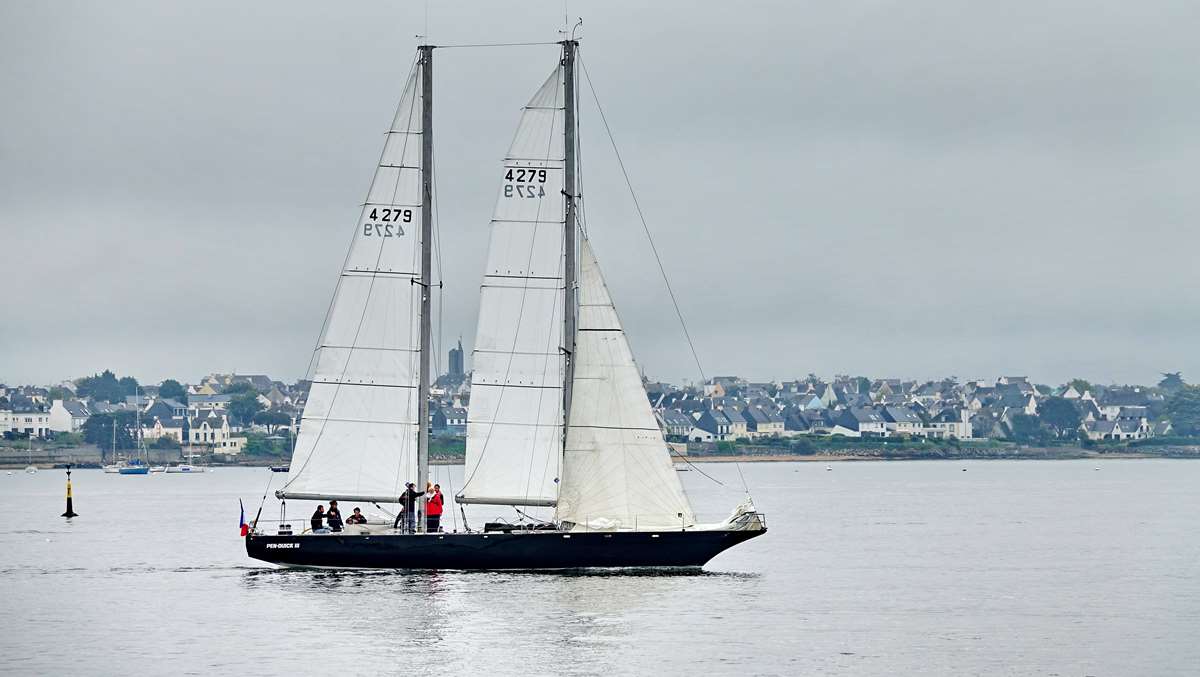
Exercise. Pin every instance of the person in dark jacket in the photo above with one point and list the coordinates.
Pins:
(433, 510)
(333, 517)
(356, 517)
(408, 508)
(318, 519)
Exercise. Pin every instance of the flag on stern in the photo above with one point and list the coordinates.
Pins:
(242, 520)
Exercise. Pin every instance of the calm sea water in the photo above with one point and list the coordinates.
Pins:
(1012, 567)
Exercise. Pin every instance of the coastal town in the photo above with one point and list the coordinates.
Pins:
(240, 418)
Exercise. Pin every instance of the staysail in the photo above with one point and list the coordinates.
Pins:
(514, 422)
(358, 433)
(617, 472)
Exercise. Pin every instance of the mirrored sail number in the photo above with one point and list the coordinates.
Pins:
(386, 221)
(525, 183)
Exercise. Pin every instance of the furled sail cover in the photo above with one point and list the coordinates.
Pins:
(358, 434)
(514, 422)
(617, 472)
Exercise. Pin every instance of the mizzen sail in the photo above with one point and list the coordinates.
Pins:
(514, 422)
(617, 472)
(358, 433)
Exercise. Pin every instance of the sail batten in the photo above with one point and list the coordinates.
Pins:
(358, 432)
(514, 422)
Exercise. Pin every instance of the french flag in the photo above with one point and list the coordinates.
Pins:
(242, 520)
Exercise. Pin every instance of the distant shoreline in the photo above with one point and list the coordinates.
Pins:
(993, 454)
(820, 458)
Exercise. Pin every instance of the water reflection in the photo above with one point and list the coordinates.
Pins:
(1023, 569)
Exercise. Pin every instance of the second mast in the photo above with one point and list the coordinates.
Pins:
(426, 277)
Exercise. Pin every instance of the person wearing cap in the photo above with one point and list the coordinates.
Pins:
(333, 517)
(408, 507)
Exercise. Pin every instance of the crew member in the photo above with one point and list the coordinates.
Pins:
(333, 517)
(356, 517)
(318, 519)
(433, 510)
(408, 507)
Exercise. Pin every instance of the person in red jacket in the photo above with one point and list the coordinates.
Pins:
(433, 510)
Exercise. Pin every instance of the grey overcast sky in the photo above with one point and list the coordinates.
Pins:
(909, 189)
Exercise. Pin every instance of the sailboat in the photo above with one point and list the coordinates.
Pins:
(116, 465)
(138, 464)
(558, 416)
(186, 468)
(131, 466)
(31, 468)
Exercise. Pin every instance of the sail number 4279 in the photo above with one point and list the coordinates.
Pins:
(385, 221)
(528, 183)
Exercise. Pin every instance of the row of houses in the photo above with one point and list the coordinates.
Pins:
(730, 408)
(731, 422)
(724, 408)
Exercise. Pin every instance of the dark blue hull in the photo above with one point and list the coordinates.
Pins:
(529, 550)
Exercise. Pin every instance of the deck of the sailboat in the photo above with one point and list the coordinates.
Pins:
(516, 550)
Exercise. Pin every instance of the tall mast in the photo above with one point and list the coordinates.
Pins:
(426, 264)
(569, 227)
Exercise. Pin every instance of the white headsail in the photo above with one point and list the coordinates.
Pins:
(617, 472)
(358, 434)
(514, 423)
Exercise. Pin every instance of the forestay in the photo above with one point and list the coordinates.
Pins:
(514, 423)
(358, 434)
(617, 472)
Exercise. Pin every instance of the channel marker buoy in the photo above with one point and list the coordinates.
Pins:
(70, 508)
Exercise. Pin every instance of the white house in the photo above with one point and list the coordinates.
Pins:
(950, 423)
(171, 427)
(214, 433)
(68, 416)
(901, 421)
(1114, 430)
(867, 422)
(36, 423)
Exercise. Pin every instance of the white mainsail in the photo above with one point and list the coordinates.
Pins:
(514, 423)
(617, 472)
(358, 434)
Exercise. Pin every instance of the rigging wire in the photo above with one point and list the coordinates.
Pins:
(744, 485)
(641, 216)
(658, 259)
(266, 491)
(693, 465)
(437, 248)
(495, 44)
(450, 493)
